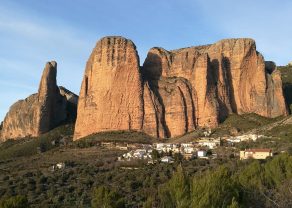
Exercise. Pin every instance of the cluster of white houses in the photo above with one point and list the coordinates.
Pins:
(242, 138)
(196, 149)
(187, 150)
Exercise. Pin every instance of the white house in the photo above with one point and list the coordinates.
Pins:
(139, 153)
(207, 133)
(188, 150)
(259, 154)
(60, 165)
(210, 143)
(202, 153)
(244, 137)
(167, 159)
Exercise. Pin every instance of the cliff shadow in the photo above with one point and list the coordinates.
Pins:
(152, 67)
(230, 90)
(223, 109)
(152, 73)
(287, 91)
(225, 106)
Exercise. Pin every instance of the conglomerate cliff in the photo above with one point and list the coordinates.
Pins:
(40, 112)
(177, 91)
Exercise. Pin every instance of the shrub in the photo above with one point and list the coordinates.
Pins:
(15, 202)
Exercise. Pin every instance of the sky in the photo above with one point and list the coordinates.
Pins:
(33, 32)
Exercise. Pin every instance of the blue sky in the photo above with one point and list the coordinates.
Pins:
(33, 32)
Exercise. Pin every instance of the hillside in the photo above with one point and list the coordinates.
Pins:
(26, 165)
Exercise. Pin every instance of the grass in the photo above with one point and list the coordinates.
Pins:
(115, 136)
(31, 146)
(281, 131)
(242, 123)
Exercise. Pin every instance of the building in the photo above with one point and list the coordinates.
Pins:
(210, 143)
(188, 150)
(202, 153)
(167, 147)
(259, 154)
(167, 159)
(122, 147)
(188, 156)
(59, 166)
(244, 137)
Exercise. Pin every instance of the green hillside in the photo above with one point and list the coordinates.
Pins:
(32, 146)
(286, 72)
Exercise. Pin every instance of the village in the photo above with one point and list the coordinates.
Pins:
(205, 148)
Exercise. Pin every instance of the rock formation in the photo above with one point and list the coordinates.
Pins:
(111, 96)
(40, 112)
(227, 77)
(175, 91)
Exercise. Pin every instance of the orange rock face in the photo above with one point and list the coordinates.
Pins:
(180, 90)
(111, 96)
(227, 77)
(39, 112)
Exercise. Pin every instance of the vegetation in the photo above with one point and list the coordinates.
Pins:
(242, 184)
(93, 177)
(14, 202)
(103, 197)
(115, 136)
(31, 146)
(242, 123)
(286, 74)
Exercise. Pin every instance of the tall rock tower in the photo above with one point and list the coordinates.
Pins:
(40, 112)
(111, 95)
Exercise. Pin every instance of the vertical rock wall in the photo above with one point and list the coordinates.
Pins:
(39, 112)
(111, 96)
(177, 91)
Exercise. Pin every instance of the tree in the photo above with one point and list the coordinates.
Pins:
(176, 193)
(213, 189)
(178, 157)
(155, 154)
(105, 198)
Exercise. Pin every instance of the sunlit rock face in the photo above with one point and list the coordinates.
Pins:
(111, 96)
(40, 112)
(177, 91)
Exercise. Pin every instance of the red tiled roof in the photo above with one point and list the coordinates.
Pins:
(258, 150)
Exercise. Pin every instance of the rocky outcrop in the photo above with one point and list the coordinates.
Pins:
(177, 91)
(111, 95)
(71, 104)
(227, 77)
(40, 112)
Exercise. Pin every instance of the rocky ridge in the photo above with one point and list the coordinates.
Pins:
(173, 93)
(40, 112)
(177, 91)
